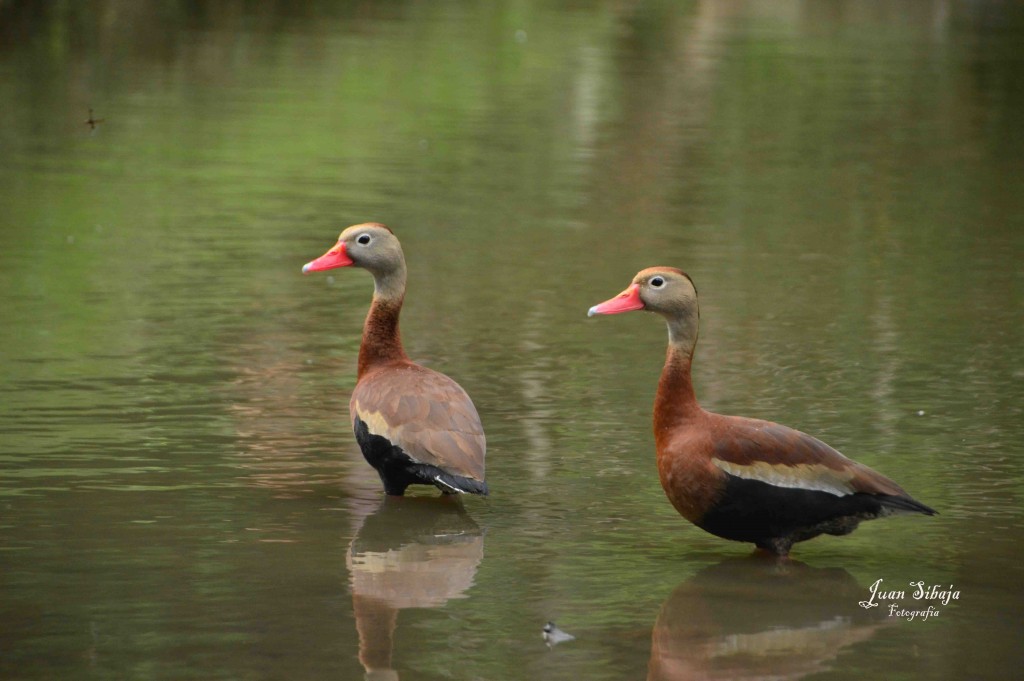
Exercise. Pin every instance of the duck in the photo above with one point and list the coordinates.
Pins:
(413, 425)
(745, 479)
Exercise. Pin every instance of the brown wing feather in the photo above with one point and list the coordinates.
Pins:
(786, 457)
(425, 413)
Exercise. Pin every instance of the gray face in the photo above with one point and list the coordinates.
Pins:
(667, 291)
(373, 247)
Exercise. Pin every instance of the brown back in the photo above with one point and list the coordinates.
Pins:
(425, 413)
(767, 450)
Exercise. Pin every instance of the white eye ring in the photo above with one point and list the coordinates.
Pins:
(657, 282)
(363, 239)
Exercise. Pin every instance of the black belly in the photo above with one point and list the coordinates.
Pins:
(774, 517)
(398, 470)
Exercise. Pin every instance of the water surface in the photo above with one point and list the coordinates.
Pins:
(180, 494)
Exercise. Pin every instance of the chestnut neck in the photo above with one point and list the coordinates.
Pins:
(375, 622)
(382, 341)
(675, 403)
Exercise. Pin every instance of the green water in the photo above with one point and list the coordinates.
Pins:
(180, 494)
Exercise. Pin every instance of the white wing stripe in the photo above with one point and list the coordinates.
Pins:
(809, 476)
(438, 480)
(376, 424)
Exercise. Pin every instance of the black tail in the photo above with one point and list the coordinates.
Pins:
(905, 504)
(457, 484)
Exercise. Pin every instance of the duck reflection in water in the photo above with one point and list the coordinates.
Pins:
(411, 552)
(749, 618)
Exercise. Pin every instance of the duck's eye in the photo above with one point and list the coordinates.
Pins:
(363, 239)
(657, 282)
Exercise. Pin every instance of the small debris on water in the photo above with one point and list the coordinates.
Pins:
(553, 635)
(93, 121)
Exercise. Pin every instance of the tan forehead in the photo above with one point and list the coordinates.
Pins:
(662, 270)
(371, 227)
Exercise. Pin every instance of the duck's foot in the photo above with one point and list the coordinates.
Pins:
(777, 547)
